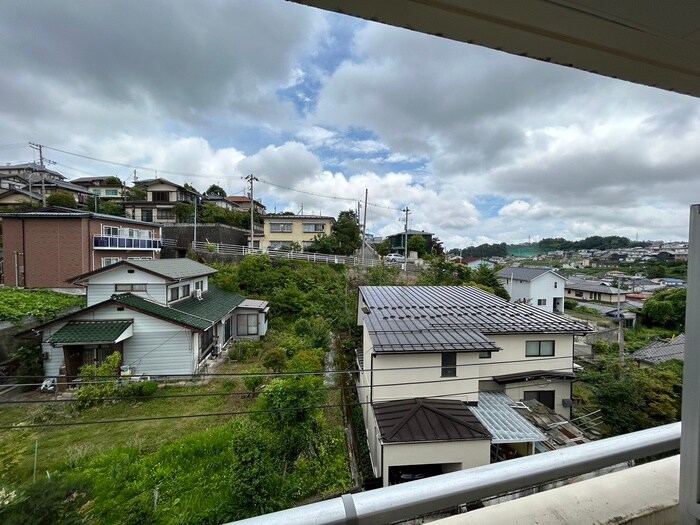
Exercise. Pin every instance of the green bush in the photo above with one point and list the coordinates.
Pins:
(570, 304)
(100, 381)
(141, 389)
(243, 350)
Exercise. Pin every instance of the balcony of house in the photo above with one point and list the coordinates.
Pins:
(121, 242)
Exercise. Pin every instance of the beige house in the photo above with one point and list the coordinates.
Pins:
(582, 290)
(462, 345)
(161, 198)
(282, 231)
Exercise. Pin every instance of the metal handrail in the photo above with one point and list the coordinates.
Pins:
(408, 500)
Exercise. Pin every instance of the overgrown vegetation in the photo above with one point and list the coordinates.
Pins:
(16, 304)
(440, 272)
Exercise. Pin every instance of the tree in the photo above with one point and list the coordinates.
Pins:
(109, 207)
(113, 181)
(323, 243)
(666, 309)
(184, 212)
(136, 193)
(275, 359)
(437, 247)
(486, 276)
(384, 247)
(215, 191)
(189, 187)
(63, 200)
(417, 244)
(346, 231)
(440, 272)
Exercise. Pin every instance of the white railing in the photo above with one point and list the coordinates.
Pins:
(321, 258)
(109, 242)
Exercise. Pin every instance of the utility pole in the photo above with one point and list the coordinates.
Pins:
(194, 236)
(250, 180)
(620, 325)
(364, 229)
(405, 238)
(39, 147)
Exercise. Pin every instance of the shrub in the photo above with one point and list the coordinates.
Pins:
(243, 350)
(570, 304)
(275, 359)
(141, 389)
(255, 380)
(101, 381)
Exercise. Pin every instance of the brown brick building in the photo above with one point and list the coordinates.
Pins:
(45, 248)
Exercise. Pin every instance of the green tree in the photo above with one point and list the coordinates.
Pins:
(254, 380)
(109, 207)
(346, 231)
(113, 181)
(184, 212)
(440, 272)
(275, 359)
(383, 275)
(136, 193)
(384, 247)
(189, 187)
(417, 244)
(61, 199)
(486, 276)
(666, 309)
(215, 191)
(323, 244)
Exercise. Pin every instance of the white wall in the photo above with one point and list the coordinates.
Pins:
(541, 288)
(562, 390)
(511, 358)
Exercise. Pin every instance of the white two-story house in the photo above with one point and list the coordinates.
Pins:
(540, 287)
(443, 367)
(163, 316)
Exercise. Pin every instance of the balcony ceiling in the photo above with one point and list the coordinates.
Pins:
(649, 42)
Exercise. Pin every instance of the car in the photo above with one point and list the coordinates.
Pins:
(395, 257)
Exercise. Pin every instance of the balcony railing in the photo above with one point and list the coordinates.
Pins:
(408, 500)
(107, 242)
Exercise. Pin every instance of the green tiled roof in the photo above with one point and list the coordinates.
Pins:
(193, 312)
(93, 332)
(175, 268)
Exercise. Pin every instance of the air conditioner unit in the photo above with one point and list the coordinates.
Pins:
(567, 403)
(198, 294)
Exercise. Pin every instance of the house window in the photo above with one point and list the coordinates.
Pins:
(112, 193)
(247, 324)
(279, 245)
(165, 213)
(541, 302)
(305, 245)
(485, 354)
(449, 364)
(174, 293)
(556, 284)
(539, 348)
(314, 227)
(199, 285)
(546, 397)
(160, 196)
(136, 287)
(106, 261)
(578, 294)
(186, 290)
(281, 227)
(110, 231)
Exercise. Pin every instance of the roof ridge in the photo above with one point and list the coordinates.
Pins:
(420, 405)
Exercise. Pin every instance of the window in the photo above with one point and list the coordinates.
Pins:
(110, 231)
(278, 245)
(546, 397)
(485, 354)
(578, 294)
(174, 293)
(165, 213)
(186, 290)
(106, 261)
(199, 285)
(305, 245)
(112, 193)
(281, 227)
(449, 364)
(247, 324)
(556, 284)
(314, 227)
(136, 287)
(541, 302)
(539, 348)
(160, 196)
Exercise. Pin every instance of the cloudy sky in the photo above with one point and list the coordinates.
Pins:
(480, 145)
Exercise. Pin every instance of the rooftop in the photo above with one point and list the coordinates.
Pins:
(90, 332)
(53, 212)
(175, 268)
(496, 411)
(524, 274)
(661, 351)
(416, 420)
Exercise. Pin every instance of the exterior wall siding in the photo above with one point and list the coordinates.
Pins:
(297, 234)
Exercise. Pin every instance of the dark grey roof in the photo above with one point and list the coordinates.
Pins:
(456, 308)
(416, 420)
(524, 274)
(661, 351)
(53, 212)
(418, 335)
(175, 268)
(151, 182)
(588, 286)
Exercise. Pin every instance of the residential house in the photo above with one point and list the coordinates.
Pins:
(31, 172)
(396, 241)
(163, 316)
(51, 186)
(104, 187)
(429, 344)
(586, 290)
(14, 198)
(244, 204)
(661, 351)
(283, 231)
(47, 247)
(540, 287)
(473, 262)
(222, 202)
(162, 197)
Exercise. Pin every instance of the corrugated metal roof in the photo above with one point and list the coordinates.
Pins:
(523, 274)
(417, 420)
(458, 308)
(661, 351)
(253, 304)
(89, 332)
(587, 286)
(495, 411)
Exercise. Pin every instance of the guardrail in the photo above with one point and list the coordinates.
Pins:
(322, 258)
(408, 500)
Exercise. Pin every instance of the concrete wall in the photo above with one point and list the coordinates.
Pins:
(297, 234)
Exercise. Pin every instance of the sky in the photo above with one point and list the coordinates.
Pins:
(481, 146)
